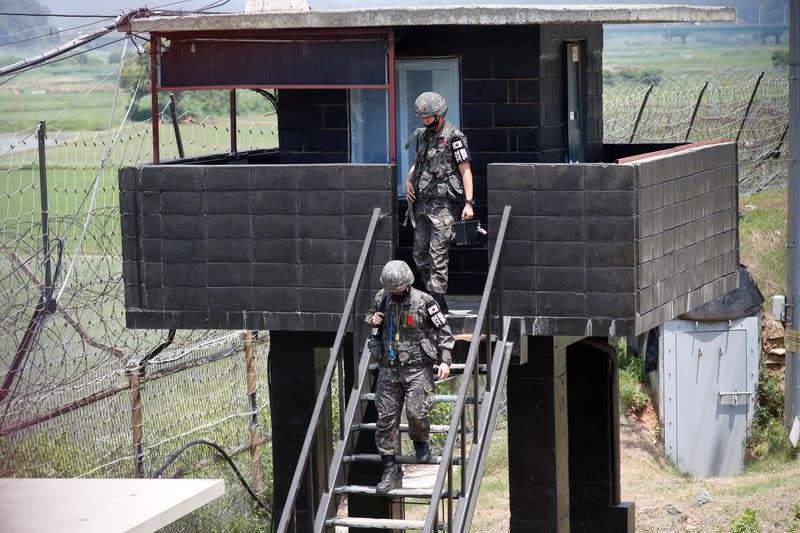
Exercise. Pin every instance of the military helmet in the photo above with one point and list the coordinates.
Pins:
(430, 103)
(396, 274)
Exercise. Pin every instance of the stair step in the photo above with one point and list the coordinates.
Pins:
(400, 459)
(400, 493)
(455, 368)
(441, 398)
(377, 523)
(435, 428)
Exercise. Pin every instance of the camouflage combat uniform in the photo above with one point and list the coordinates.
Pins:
(440, 199)
(414, 333)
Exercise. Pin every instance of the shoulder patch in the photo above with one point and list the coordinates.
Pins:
(435, 314)
(458, 144)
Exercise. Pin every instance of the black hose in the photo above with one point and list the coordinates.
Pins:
(225, 456)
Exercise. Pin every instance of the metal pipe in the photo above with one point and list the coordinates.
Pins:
(641, 111)
(234, 148)
(41, 133)
(696, 108)
(792, 335)
(155, 49)
(174, 115)
(392, 102)
(749, 106)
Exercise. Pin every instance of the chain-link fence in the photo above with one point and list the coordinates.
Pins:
(82, 394)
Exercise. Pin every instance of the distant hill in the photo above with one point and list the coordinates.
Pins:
(20, 28)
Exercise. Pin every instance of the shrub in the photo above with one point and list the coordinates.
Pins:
(631, 397)
(780, 58)
(747, 522)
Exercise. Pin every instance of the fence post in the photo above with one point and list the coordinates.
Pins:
(255, 445)
(749, 105)
(641, 110)
(41, 133)
(138, 431)
(696, 108)
(175, 126)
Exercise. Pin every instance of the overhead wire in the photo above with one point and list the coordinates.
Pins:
(51, 33)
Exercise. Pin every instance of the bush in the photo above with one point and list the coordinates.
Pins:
(632, 399)
(768, 439)
(747, 522)
(780, 58)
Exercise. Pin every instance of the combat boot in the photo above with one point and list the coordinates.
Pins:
(391, 475)
(423, 452)
(439, 298)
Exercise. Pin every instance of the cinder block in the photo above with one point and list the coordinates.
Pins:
(567, 304)
(380, 253)
(274, 227)
(567, 229)
(322, 300)
(516, 115)
(183, 226)
(610, 203)
(175, 202)
(610, 279)
(610, 254)
(504, 176)
(477, 115)
(520, 227)
(321, 227)
(518, 253)
(518, 278)
(610, 304)
(363, 202)
(559, 254)
(227, 178)
(368, 177)
(527, 90)
(320, 202)
(171, 178)
(235, 226)
(277, 299)
(557, 203)
(230, 275)
(559, 177)
(185, 275)
(519, 303)
(610, 228)
(560, 279)
(152, 297)
(275, 251)
(321, 275)
(645, 277)
(229, 250)
(128, 178)
(149, 202)
(228, 202)
(183, 250)
(524, 139)
(321, 251)
(273, 177)
(231, 299)
(185, 298)
(605, 177)
(489, 91)
(320, 177)
(149, 227)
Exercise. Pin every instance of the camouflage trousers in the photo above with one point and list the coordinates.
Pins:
(432, 238)
(414, 384)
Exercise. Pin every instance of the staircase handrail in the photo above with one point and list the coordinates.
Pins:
(288, 509)
(446, 463)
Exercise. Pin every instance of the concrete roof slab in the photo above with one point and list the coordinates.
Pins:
(470, 15)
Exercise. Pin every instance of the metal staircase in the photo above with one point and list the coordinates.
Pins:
(450, 502)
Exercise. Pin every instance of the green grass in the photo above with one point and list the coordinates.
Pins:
(762, 239)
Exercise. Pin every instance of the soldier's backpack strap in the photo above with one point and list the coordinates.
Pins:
(414, 135)
(435, 314)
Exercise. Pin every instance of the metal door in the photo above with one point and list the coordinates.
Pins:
(576, 135)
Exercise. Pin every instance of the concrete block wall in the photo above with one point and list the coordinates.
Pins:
(687, 230)
(583, 255)
(260, 247)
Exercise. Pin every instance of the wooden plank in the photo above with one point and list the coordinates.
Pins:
(101, 505)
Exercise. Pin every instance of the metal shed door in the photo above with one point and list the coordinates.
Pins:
(711, 420)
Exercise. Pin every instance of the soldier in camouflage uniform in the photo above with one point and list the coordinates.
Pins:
(414, 335)
(440, 186)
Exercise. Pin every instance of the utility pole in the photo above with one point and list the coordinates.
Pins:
(792, 335)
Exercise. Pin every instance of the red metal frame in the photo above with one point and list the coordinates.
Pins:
(666, 151)
(392, 102)
(155, 51)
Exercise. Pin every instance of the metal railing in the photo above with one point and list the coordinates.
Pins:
(335, 363)
(458, 423)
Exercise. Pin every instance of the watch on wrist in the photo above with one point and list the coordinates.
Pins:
(470, 202)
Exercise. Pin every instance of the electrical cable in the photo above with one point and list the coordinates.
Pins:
(51, 33)
(171, 459)
(58, 15)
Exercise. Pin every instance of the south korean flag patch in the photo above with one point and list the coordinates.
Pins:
(459, 150)
(435, 314)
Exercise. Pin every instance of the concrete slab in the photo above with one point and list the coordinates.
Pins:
(101, 505)
(483, 15)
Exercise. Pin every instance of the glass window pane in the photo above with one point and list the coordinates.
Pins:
(413, 78)
(369, 137)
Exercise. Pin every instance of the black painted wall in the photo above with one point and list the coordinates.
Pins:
(257, 247)
(614, 250)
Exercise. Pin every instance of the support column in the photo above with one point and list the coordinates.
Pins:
(538, 454)
(594, 464)
(296, 365)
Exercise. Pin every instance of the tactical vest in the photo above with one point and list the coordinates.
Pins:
(436, 173)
